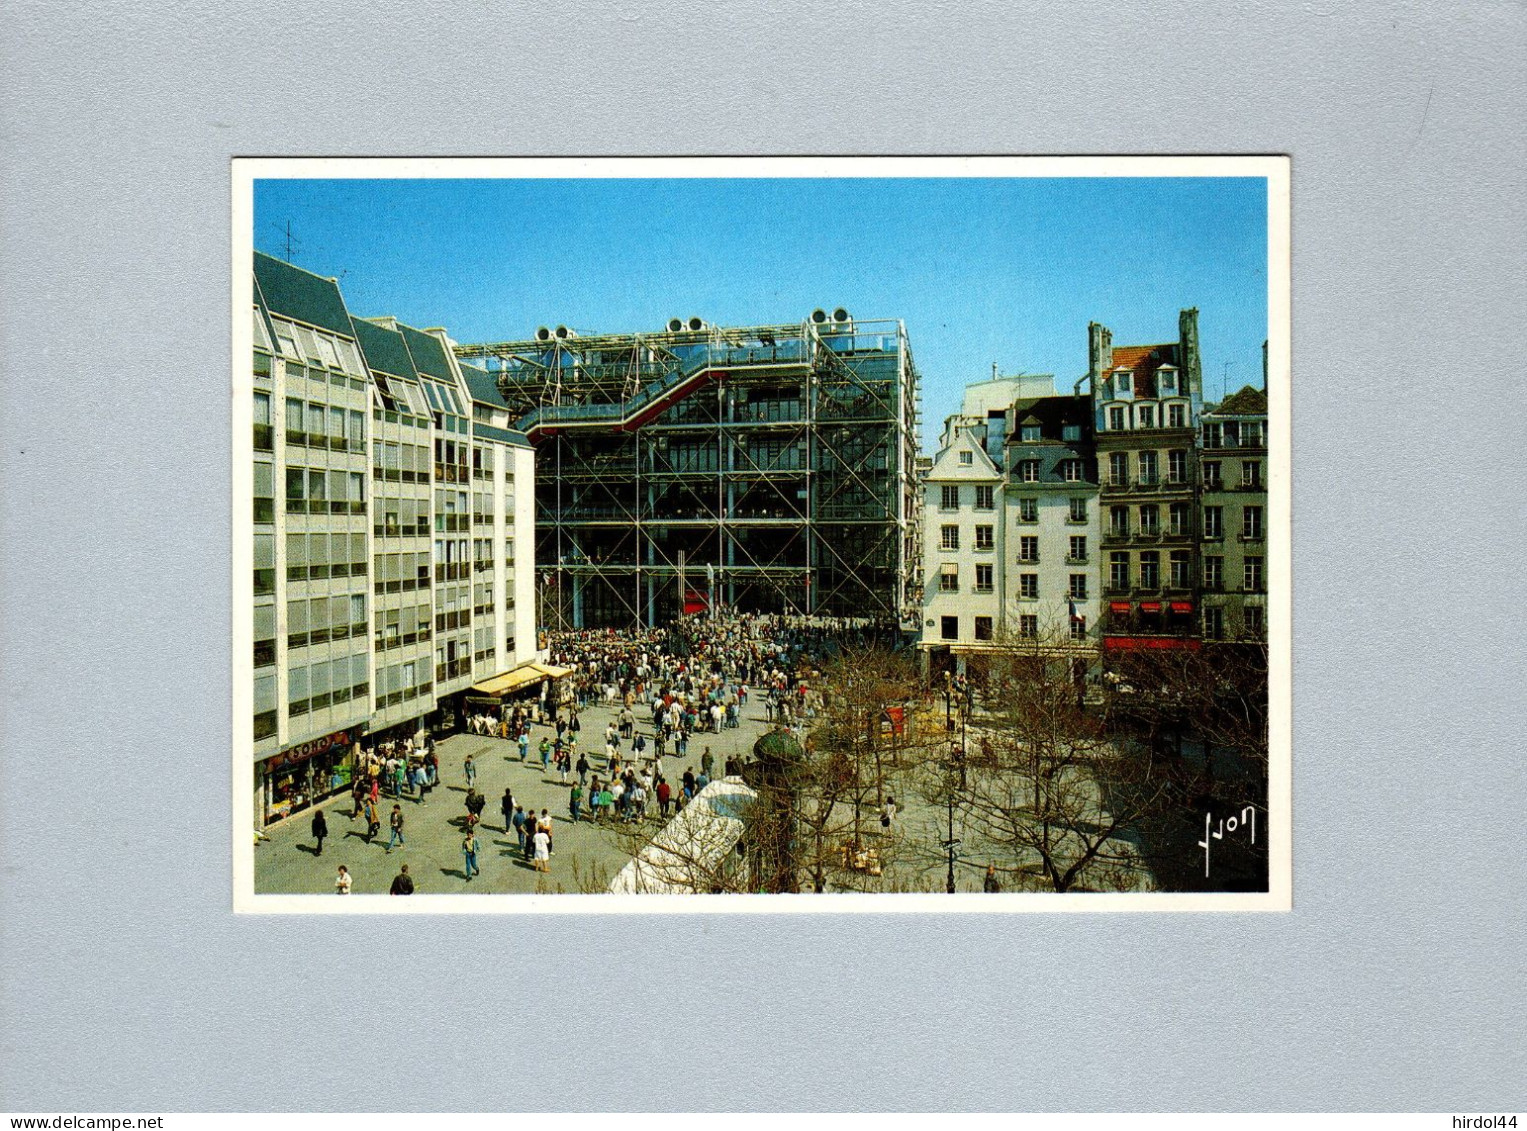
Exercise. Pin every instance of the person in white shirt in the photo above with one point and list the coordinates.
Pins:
(342, 881)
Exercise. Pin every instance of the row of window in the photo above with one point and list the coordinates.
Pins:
(949, 497)
(1253, 622)
(315, 347)
(1028, 583)
(1028, 626)
(1146, 416)
(1235, 434)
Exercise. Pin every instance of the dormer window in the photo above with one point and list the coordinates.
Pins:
(1071, 433)
(967, 459)
(1166, 379)
(1121, 380)
(1147, 416)
(1029, 433)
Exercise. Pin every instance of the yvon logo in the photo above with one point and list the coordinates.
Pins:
(1247, 818)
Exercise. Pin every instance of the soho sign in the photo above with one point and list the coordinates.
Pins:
(310, 748)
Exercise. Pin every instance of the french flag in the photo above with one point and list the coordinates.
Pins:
(1071, 605)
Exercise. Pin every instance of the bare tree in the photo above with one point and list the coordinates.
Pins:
(1046, 781)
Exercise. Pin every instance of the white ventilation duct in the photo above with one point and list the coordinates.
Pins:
(675, 325)
(543, 333)
(697, 324)
(819, 316)
(563, 333)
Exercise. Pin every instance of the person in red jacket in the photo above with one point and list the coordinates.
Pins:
(664, 796)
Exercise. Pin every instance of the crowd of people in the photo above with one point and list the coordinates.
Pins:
(675, 684)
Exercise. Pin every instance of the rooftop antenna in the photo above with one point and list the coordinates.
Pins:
(1224, 381)
(994, 371)
(289, 240)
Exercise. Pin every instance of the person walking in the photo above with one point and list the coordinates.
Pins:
(583, 769)
(888, 812)
(707, 762)
(469, 855)
(518, 823)
(575, 801)
(990, 884)
(471, 768)
(373, 822)
(342, 881)
(544, 826)
(524, 741)
(664, 796)
(506, 807)
(396, 823)
(402, 883)
(542, 851)
(320, 830)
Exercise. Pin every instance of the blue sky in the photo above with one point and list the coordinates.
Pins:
(981, 270)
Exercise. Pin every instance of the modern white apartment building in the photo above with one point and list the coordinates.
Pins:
(393, 536)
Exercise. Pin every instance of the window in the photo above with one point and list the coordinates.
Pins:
(264, 494)
(1118, 469)
(1078, 587)
(983, 628)
(1028, 433)
(1166, 378)
(1028, 510)
(1148, 467)
(984, 578)
(984, 540)
(1251, 473)
(1028, 625)
(1071, 470)
(1176, 416)
(1214, 623)
(1028, 549)
(1214, 523)
(1028, 471)
(262, 433)
(949, 578)
(294, 430)
(1078, 628)
(296, 487)
(1147, 415)
(1211, 473)
(1028, 586)
(264, 564)
(949, 628)
(949, 498)
(1122, 380)
(1177, 467)
(1181, 568)
(1214, 574)
(949, 537)
(1178, 519)
(1116, 419)
(1150, 520)
(1252, 576)
(1252, 621)
(1078, 510)
(1118, 570)
(1251, 434)
(1150, 569)
(1212, 436)
(1118, 522)
(1078, 548)
(1251, 523)
(985, 499)
(967, 459)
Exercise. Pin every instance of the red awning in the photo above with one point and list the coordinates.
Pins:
(1143, 643)
(1150, 606)
(1118, 606)
(1182, 606)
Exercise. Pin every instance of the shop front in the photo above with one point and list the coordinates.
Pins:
(295, 779)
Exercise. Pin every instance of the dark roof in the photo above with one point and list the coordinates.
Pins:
(383, 349)
(502, 435)
(1247, 402)
(302, 295)
(482, 386)
(1143, 361)
(1050, 413)
(429, 354)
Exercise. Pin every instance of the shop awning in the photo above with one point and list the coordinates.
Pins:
(513, 680)
(552, 671)
(1119, 607)
(1182, 606)
(1150, 606)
